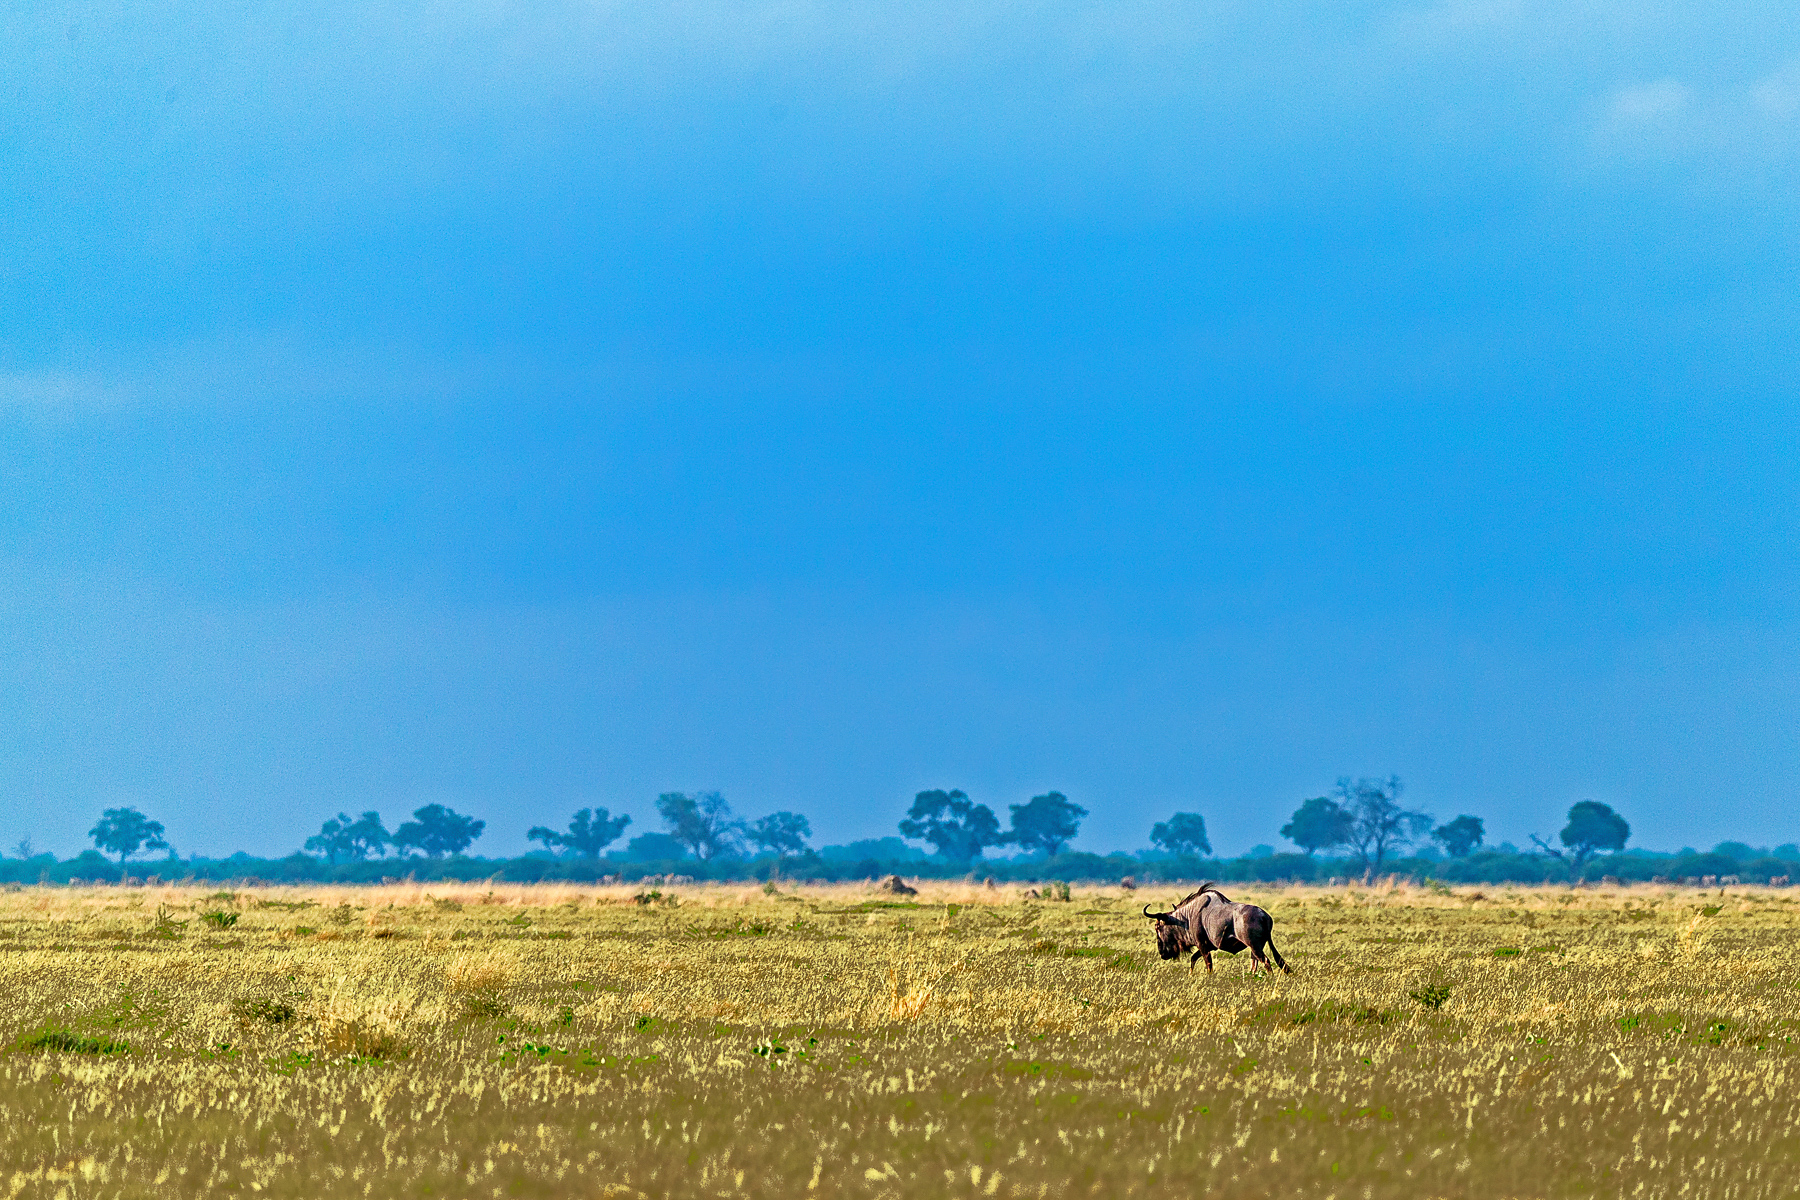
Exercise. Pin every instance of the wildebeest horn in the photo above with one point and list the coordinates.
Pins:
(1165, 918)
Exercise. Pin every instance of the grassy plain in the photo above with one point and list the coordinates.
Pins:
(722, 1041)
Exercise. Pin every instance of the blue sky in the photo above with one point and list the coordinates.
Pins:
(527, 406)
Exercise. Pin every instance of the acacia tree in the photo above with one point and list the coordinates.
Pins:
(591, 831)
(1592, 827)
(1318, 824)
(1048, 823)
(1183, 833)
(125, 831)
(1378, 825)
(702, 822)
(1459, 837)
(781, 833)
(950, 821)
(341, 837)
(436, 831)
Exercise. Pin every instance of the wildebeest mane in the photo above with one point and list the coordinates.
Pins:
(1201, 890)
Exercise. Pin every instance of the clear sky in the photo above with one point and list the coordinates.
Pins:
(524, 406)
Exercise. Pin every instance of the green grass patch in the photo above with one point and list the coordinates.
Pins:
(62, 1040)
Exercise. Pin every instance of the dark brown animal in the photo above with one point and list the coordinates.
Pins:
(1208, 920)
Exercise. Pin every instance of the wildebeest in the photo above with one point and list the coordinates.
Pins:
(1208, 920)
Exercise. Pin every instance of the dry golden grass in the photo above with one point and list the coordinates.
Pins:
(722, 1041)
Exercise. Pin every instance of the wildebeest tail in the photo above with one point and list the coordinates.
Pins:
(1276, 955)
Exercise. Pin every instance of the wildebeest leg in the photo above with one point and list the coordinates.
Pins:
(1279, 961)
(1257, 960)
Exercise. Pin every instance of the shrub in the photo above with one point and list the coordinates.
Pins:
(485, 1005)
(1432, 995)
(166, 928)
(275, 1012)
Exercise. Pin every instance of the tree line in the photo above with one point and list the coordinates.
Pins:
(1361, 818)
(1364, 817)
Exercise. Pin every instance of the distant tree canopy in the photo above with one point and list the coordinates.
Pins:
(873, 849)
(1459, 837)
(781, 833)
(1183, 833)
(353, 841)
(1378, 825)
(1048, 823)
(701, 822)
(1362, 816)
(590, 831)
(959, 828)
(1318, 824)
(125, 831)
(654, 847)
(436, 831)
(1593, 827)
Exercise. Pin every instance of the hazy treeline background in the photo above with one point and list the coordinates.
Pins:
(1750, 865)
(1361, 829)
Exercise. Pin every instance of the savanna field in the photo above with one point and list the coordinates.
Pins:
(726, 1041)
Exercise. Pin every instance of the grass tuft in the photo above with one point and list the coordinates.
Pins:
(63, 1040)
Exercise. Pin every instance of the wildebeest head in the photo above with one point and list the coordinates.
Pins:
(1171, 933)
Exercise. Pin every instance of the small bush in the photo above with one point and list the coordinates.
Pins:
(1431, 996)
(275, 1012)
(485, 1005)
(166, 928)
(220, 919)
